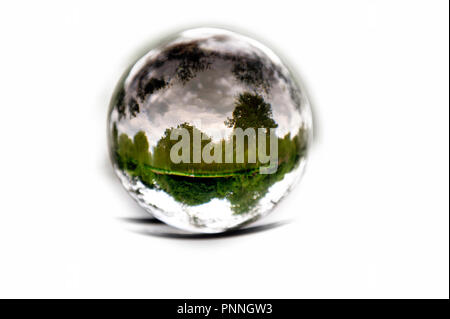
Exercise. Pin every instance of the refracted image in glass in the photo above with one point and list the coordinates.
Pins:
(209, 130)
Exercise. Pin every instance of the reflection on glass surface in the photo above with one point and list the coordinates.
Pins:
(209, 82)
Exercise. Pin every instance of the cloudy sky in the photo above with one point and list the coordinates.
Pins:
(207, 99)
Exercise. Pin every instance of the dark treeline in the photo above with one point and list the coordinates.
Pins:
(198, 183)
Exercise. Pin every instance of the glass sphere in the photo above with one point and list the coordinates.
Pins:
(208, 131)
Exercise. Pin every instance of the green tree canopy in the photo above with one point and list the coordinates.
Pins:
(251, 111)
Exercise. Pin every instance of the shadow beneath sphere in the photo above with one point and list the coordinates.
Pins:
(156, 228)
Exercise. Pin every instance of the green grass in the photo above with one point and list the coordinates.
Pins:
(204, 174)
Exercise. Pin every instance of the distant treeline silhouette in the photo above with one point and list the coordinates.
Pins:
(198, 183)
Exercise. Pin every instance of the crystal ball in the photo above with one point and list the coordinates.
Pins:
(209, 130)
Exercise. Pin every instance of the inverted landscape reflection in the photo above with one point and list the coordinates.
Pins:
(213, 82)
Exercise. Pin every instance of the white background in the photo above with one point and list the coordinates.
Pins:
(369, 219)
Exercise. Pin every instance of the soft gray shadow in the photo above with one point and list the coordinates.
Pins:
(144, 221)
(158, 229)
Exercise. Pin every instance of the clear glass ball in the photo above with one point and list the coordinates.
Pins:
(208, 131)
